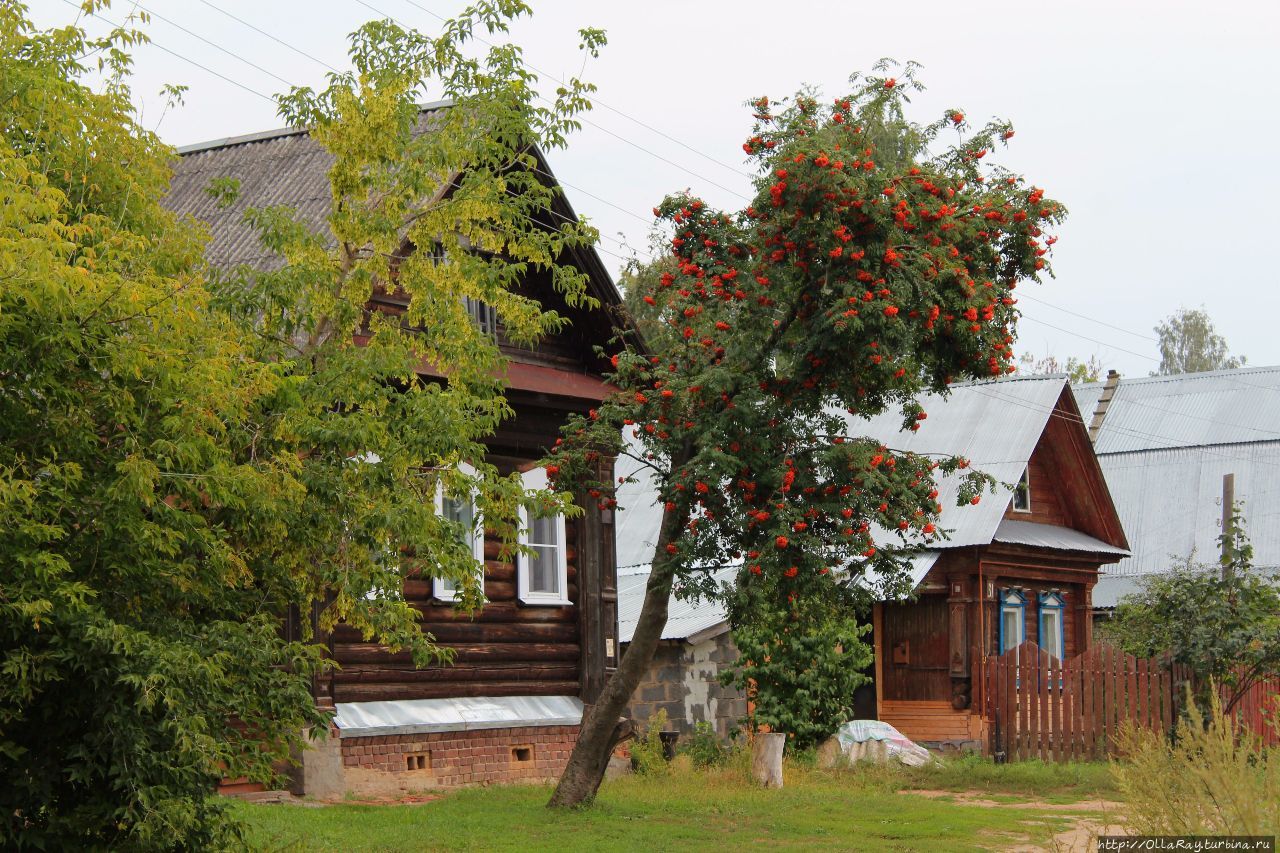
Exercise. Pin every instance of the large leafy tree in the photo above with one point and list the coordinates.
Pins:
(1222, 622)
(1077, 370)
(184, 462)
(869, 268)
(434, 210)
(1189, 343)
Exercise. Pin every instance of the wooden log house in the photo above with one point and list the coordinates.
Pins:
(510, 706)
(1017, 566)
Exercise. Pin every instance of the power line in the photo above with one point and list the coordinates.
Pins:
(1141, 355)
(278, 41)
(185, 59)
(584, 120)
(1023, 295)
(216, 46)
(612, 109)
(1087, 338)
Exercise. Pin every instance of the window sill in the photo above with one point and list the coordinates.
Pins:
(548, 601)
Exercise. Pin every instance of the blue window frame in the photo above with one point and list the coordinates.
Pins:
(1013, 611)
(1051, 636)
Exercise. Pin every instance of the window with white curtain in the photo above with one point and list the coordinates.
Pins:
(462, 512)
(1022, 492)
(542, 575)
(1052, 639)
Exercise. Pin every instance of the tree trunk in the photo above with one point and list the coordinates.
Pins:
(766, 758)
(602, 724)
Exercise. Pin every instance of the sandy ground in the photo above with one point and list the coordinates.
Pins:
(1103, 818)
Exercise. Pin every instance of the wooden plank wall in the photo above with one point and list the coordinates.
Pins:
(1046, 505)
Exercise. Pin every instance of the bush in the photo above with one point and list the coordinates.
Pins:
(704, 747)
(646, 751)
(1213, 778)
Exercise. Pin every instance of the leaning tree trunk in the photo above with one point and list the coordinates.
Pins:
(602, 723)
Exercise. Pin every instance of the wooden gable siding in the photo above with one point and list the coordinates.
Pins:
(571, 349)
(1067, 486)
(1044, 481)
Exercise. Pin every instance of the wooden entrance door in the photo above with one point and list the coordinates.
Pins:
(916, 649)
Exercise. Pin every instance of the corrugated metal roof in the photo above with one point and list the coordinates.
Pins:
(1111, 588)
(1187, 410)
(1164, 446)
(994, 424)
(1170, 502)
(1016, 532)
(685, 618)
(961, 424)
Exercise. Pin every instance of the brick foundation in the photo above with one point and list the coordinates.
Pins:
(394, 763)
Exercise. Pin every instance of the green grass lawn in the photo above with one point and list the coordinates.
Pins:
(708, 810)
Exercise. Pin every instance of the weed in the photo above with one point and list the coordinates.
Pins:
(646, 750)
(704, 747)
(1213, 778)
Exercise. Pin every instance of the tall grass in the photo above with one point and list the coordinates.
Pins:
(1213, 778)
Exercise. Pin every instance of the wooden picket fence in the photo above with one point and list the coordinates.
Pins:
(1037, 706)
(1259, 709)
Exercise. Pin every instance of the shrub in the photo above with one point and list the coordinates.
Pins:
(704, 747)
(1213, 778)
(646, 751)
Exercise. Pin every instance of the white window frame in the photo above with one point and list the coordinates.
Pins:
(1053, 607)
(439, 589)
(537, 480)
(1012, 601)
(1023, 487)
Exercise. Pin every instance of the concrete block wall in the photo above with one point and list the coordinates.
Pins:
(684, 680)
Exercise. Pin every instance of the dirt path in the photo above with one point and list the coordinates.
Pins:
(1093, 818)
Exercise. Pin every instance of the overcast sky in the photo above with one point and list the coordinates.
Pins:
(1152, 121)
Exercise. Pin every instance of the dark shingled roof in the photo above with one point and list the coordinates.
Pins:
(275, 167)
(287, 167)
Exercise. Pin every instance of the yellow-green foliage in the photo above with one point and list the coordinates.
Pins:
(646, 750)
(1213, 779)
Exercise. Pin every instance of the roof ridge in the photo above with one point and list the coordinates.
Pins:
(279, 133)
(1182, 377)
(1006, 380)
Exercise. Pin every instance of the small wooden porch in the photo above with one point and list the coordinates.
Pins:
(930, 653)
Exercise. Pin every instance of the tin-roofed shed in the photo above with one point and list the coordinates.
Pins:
(1165, 443)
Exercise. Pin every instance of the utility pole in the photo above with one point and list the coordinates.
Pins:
(1228, 524)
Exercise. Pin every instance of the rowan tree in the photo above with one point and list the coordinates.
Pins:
(187, 456)
(869, 268)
